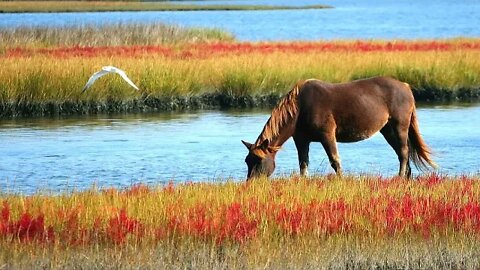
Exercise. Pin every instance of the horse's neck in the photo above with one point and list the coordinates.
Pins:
(281, 138)
(278, 138)
(281, 124)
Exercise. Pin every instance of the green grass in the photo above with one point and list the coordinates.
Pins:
(102, 6)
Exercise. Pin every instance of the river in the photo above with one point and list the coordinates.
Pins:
(78, 152)
(349, 19)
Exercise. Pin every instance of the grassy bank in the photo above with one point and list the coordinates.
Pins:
(101, 6)
(44, 69)
(432, 222)
(44, 81)
(108, 35)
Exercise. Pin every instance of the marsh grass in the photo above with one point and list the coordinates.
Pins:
(108, 35)
(43, 70)
(100, 6)
(42, 84)
(379, 228)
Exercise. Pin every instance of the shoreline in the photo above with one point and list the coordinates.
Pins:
(124, 6)
(211, 101)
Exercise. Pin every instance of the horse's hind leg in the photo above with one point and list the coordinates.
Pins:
(303, 147)
(330, 145)
(397, 136)
(409, 171)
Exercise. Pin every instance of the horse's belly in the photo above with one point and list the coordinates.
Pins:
(354, 136)
(355, 133)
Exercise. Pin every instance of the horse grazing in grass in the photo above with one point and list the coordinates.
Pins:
(316, 111)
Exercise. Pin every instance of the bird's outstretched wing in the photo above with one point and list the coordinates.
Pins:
(93, 78)
(106, 70)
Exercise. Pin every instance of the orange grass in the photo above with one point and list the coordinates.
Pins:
(431, 208)
(49, 80)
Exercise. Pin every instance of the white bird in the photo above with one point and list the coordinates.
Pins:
(106, 70)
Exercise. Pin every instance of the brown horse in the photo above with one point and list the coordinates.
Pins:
(316, 111)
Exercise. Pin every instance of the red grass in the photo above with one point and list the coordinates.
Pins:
(26, 228)
(453, 208)
(205, 50)
(119, 227)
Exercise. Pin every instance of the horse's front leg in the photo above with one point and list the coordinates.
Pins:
(303, 147)
(329, 143)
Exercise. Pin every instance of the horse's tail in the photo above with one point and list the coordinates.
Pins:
(418, 152)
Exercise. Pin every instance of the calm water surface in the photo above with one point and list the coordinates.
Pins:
(58, 154)
(350, 19)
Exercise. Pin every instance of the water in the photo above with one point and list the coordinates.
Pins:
(60, 154)
(350, 19)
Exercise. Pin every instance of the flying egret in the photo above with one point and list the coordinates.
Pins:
(106, 70)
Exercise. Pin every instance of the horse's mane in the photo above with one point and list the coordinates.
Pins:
(285, 111)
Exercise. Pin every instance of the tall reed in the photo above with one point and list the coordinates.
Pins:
(108, 35)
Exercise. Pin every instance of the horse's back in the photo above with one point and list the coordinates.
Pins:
(357, 109)
(377, 92)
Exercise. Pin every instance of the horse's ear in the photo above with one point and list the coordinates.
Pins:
(264, 145)
(247, 144)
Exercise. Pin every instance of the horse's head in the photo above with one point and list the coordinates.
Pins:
(260, 159)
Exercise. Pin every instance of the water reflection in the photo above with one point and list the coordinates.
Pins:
(118, 150)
